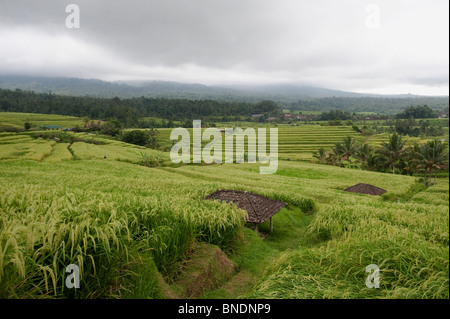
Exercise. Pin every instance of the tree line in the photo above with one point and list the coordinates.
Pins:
(382, 105)
(391, 156)
(412, 111)
(417, 112)
(404, 123)
(128, 111)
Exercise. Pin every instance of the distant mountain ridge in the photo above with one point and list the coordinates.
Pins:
(290, 97)
(164, 89)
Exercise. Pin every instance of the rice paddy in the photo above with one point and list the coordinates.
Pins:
(92, 206)
(14, 146)
(294, 142)
(13, 119)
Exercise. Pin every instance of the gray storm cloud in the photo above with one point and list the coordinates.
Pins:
(323, 43)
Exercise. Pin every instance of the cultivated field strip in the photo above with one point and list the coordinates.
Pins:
(60, 152)
(14, 146)
(294, 142)
(18, 119)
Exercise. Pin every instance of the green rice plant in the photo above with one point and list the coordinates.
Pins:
(150, 160)
(60, 152)
(92, 224)
(18, 119)
(14, 139)
(337, 270)
(40, 149)
(42, 233)
(408, 242)
(105, 215)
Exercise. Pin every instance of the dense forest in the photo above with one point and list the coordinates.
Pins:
(334, 115)
(132, 111)
(129, 111)
(381, 105)
(417, 112)
(292, 97)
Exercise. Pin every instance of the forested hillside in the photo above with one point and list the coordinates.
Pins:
(382, 105)
(129, 110)
(294, 97)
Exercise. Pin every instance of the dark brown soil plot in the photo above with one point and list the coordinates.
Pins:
(366, 189)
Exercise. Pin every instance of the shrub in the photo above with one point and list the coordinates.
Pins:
(142, 138)
(151, 160)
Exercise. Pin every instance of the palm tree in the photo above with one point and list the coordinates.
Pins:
(393, 150)
(432, 156)
(321, 154)
(339, 152)
(363, 153)
(425, 160)
(373, 161)
(409, 159)
(349, 147)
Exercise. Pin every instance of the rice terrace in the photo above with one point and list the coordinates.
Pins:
(139, 226)
(224, 158)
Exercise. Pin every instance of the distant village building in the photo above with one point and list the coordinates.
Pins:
(443, 115)
(298, 117)
(376, 117)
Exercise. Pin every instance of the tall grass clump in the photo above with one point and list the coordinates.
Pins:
(100, 222)
(408, 242)
(42, 232)
(217, 223)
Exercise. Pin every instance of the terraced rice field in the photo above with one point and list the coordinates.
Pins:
(22, 145)
(131, 228)
(96, 213)
(379, 138)
(18, 119)
(294, 142)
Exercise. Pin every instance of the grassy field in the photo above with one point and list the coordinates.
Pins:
(132, 230)
(13, 119)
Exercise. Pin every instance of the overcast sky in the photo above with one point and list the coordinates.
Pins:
(390, 46)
